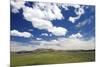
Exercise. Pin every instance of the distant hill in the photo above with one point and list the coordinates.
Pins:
(50, 50)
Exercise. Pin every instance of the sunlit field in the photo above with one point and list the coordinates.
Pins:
(50, 57)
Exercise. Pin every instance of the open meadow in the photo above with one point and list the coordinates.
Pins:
(39, 57)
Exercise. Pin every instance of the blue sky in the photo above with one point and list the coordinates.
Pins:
(36, 21)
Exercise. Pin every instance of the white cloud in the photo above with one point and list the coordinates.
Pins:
(16, 5)
(58, 31)
(50, 10)
(65, 6)
(40, 15)
(38, 38)
(47, 25)
(73, 19)
(41, 24)
(44, 34)
(78, 35)
(46, 11)
(30, 13)
(79, 10)
(20, 34)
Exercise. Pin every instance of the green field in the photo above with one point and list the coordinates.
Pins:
(51, 57)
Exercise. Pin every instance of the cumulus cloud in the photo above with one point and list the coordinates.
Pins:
(58, 31)
(41, 24)
(20, 34)
(79, 10)
(73, 19)
(47, 12)
(50, 10)
(65, 6)
(47, 25)
(16, 5)
(41, 15)
(78, 35)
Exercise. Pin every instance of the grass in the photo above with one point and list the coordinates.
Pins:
(40, 58)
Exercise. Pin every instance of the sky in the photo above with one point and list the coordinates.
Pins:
(59, 26)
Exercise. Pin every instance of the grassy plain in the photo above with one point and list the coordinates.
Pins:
(50, 57)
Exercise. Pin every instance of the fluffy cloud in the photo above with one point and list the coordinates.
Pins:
(16, 5)
(47, 25)
(58, 31)
(40, 15)
(41, 24)
(47, 11)
(78, 35)
(50, 10)
(73, 19)
(79, 10)
(20, 34)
